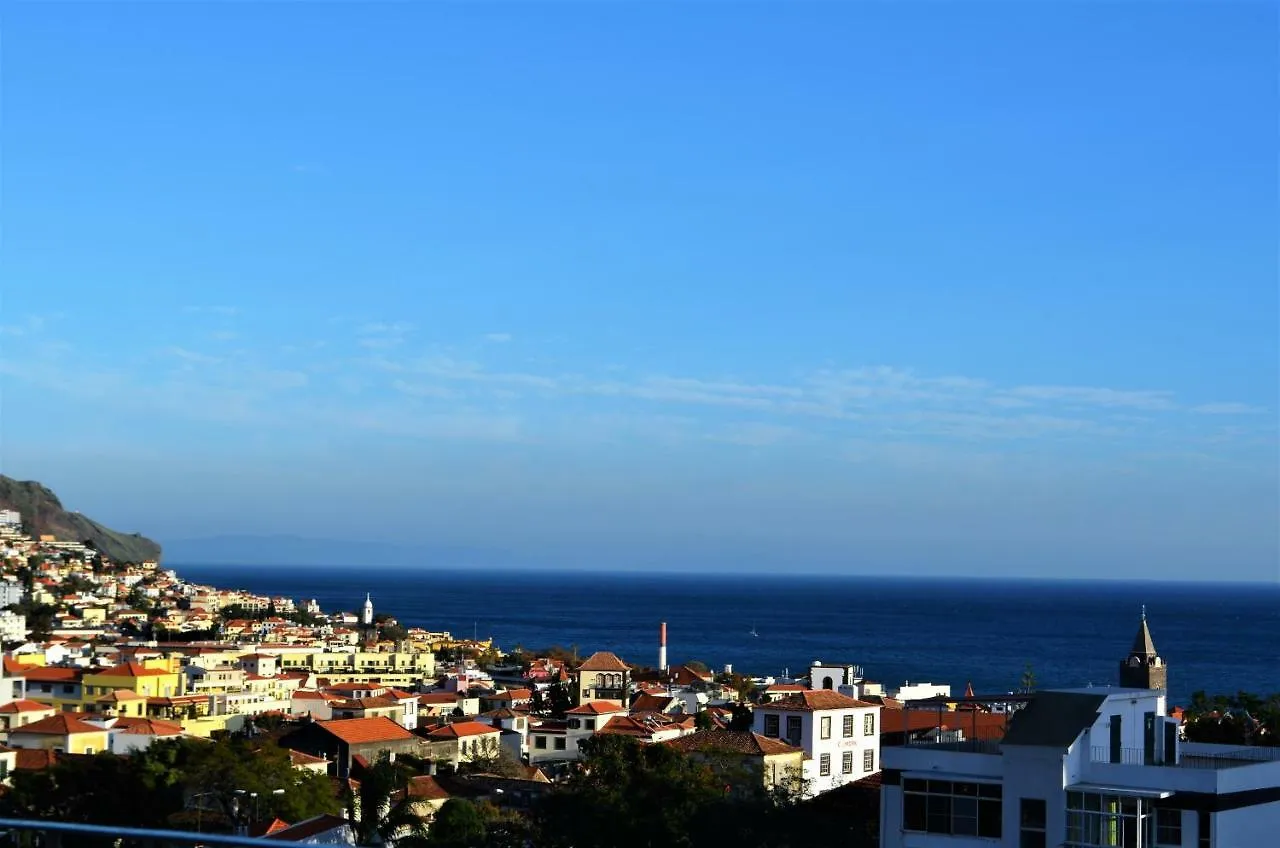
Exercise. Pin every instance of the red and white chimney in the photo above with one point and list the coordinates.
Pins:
(662, 647)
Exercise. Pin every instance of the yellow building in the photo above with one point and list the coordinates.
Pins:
(137, 677)
(61, 733)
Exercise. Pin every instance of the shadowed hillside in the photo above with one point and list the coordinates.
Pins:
(42, 513)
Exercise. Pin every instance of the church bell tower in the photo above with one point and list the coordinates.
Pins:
(1143, 668)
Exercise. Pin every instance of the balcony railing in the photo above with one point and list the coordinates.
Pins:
(1234, 758)
(969, 746)
(48, 834)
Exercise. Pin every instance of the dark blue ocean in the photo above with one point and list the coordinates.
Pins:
(1216, 637)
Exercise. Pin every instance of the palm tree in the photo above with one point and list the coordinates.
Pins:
(380, 811)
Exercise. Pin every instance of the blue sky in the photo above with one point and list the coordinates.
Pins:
(902, 288)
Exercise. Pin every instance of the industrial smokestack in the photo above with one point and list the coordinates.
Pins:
(662, 647)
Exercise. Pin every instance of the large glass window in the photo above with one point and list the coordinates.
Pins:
(1031, 823)
(848, 725)
(949, 807)
(771, 726)
(1168, 828)
(793, 730)
(1111, 821)
(824, 727)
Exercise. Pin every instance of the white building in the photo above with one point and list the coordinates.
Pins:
(840, 735)
(13, 627)
(1080, 768)
(11, 592)
(921, 691)
(10, 518)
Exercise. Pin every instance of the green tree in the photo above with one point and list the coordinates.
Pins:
(458, 824)
(496, 759)
(558, 700)
(1028, 683)
(379, 812)
(628, 795)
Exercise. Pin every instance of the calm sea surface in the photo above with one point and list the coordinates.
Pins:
(1221, 638)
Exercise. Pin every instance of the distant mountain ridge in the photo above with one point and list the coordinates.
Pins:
(298, 550)
(43, 514)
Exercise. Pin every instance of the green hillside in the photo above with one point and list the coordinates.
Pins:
(42, 513)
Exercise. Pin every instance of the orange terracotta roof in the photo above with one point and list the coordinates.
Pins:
(299, 758)
(597, 708)
(59, 724)
(603, 661)
(425, 788)
(26, 706)
(51, 674)
(129, 669)
(147, 727)
(737, 741)
(35, 759)
(815, 699)
(462, 729)
(432, 698)
(357, 731)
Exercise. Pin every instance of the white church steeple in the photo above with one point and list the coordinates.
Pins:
(367, 618)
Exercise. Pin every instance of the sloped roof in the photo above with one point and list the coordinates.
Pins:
(1053, 719)
(461, 729)
(603, 661)
(309, 828)
(424, 787)
(147, 727)
(25, 705)
(129, 669)
(737, 741)
(301, 758)
(816, 699)
(59, 724)
(35, 759)
(358, 731)
(597, 708)
(1143, 646)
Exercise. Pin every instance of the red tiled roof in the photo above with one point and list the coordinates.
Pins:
(51, 674)
(597, 708)
(652, 703)
(433, 698)
(309, 828)
(129, 669)
(299, 758)
(357, 731)
(462, 729)
(603, 661)
(815, 699)
(25, 706)
(147, 727)
(974, 723)
(737, 741)
(35, 759)
(59, 724)
(424, 787)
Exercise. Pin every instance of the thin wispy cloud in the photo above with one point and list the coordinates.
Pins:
(498, 338)
(224, 311)
(377, 335)
(1227, 409)
(281, 386)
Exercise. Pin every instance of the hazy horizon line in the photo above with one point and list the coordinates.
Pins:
(715, 571)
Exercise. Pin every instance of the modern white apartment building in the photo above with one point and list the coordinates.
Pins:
(839, 735)
(1081, 768)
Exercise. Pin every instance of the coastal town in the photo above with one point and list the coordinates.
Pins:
(111, 660)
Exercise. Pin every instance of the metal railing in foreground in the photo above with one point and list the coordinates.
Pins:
(52, 834)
